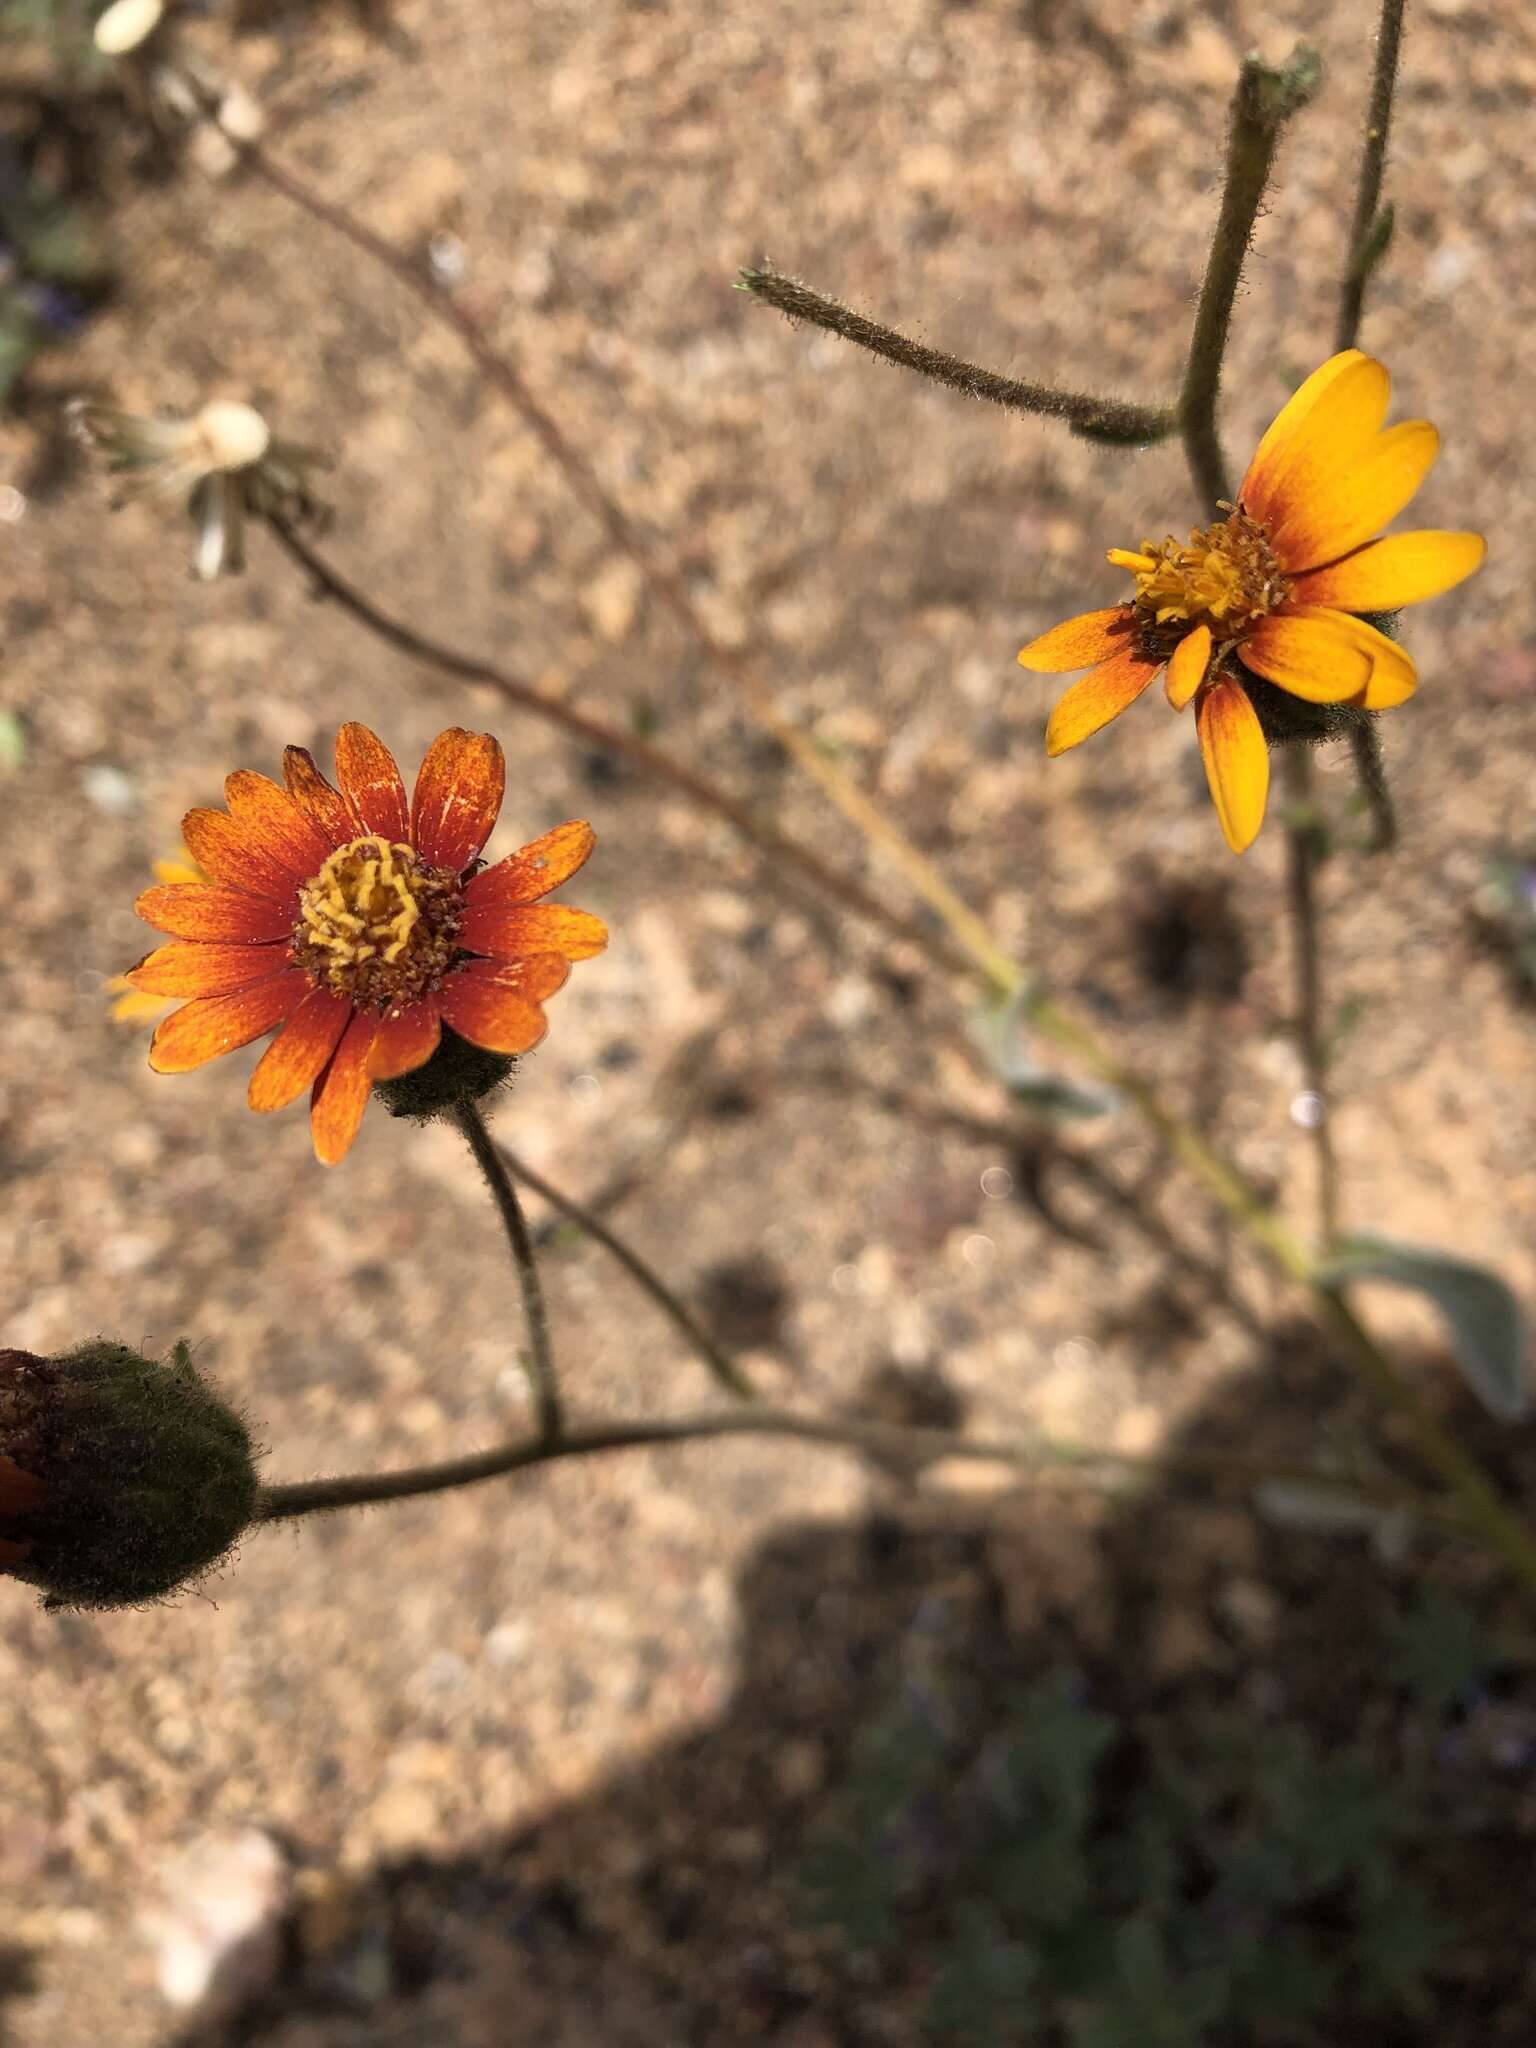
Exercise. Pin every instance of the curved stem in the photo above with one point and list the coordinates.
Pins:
(1111, 419)
(1365, 228)
(540, 1358)
(1263, 101)
(723, 1368)
(1044, 1457)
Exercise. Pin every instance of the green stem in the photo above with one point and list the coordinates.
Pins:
(1101, 419)
(1371, 773)
(723, 1368)
(1043, 1457)
(539, 1360)
(1301, 864)
(1366, 237)
(1262, 103)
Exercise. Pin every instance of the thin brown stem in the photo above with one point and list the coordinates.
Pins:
(1042, 1457)
(1262, 103)
(539, 1360)
(1101, 419)
(1369, 229)
(723, 1368)
(1301, 865)
(779, 850)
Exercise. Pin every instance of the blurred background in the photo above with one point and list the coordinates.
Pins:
(744, 1742)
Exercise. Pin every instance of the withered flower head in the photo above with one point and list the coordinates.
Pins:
(223, 462)
(121, 1477)
(365, 926)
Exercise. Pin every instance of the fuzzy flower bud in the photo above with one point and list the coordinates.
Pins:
(121, 1477)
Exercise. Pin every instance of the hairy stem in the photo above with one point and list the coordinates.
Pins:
(1301, 864)
(723, 1368)
(539, 1360)
(778, 849)
(1042, 1457)
(1367, 238)
(1109, 419)
(1263, 102)
(1371, 773)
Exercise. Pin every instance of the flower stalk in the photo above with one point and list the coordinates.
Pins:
(1303, 856)
(539, 1359)
(1370, 228)
(1265, 99)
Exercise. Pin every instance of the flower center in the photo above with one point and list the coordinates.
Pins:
(377, 925)
(1226, 578)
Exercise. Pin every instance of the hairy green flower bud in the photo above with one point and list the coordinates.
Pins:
(457, 1072)
(121, 1477)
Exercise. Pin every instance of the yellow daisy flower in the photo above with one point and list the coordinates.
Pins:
(1276, 586)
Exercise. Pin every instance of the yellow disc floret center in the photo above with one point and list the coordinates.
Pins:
(1225, 577)
(377, 925)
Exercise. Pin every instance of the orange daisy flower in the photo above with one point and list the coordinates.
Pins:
(361, 924)
(1277, 586)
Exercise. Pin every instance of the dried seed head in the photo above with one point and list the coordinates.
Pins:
(234, 435)
(121, 1477)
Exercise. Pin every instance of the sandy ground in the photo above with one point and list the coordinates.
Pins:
(560, 1665)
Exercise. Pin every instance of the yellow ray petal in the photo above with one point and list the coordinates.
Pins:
(1356, 501)
(1405, 568)
(1319, 655)
(1186, 671)
(1079, 642)
(1236, 760)
(1099, 697)
(1324, 426)
(1315, 653)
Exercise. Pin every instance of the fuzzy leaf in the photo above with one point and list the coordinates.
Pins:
(999, 1029)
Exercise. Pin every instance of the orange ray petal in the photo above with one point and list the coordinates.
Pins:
(200, 1031)
(326, 809)
(1325, 426)
(271, 820)
(132, 1008)
(299, 1051)
(1315, 654)
(183, 969)
(209, 913)
(1079, 643)
(406, 1041)
(1236, 760)
(526, 876)
(1100, 696)
(370, 781)
(1186, 669)
(490, 1013)
(228, 853)
(1333, 645)
(1405, 568)
(1357, 500)
(514, 929)
(341, 1094)
(458, 794)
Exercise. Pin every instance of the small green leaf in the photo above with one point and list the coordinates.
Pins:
(1378, 239)
(13, 743)
(1481, 1314)
(998, 1028)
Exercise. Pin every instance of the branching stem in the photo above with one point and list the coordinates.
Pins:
(1365, 229)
